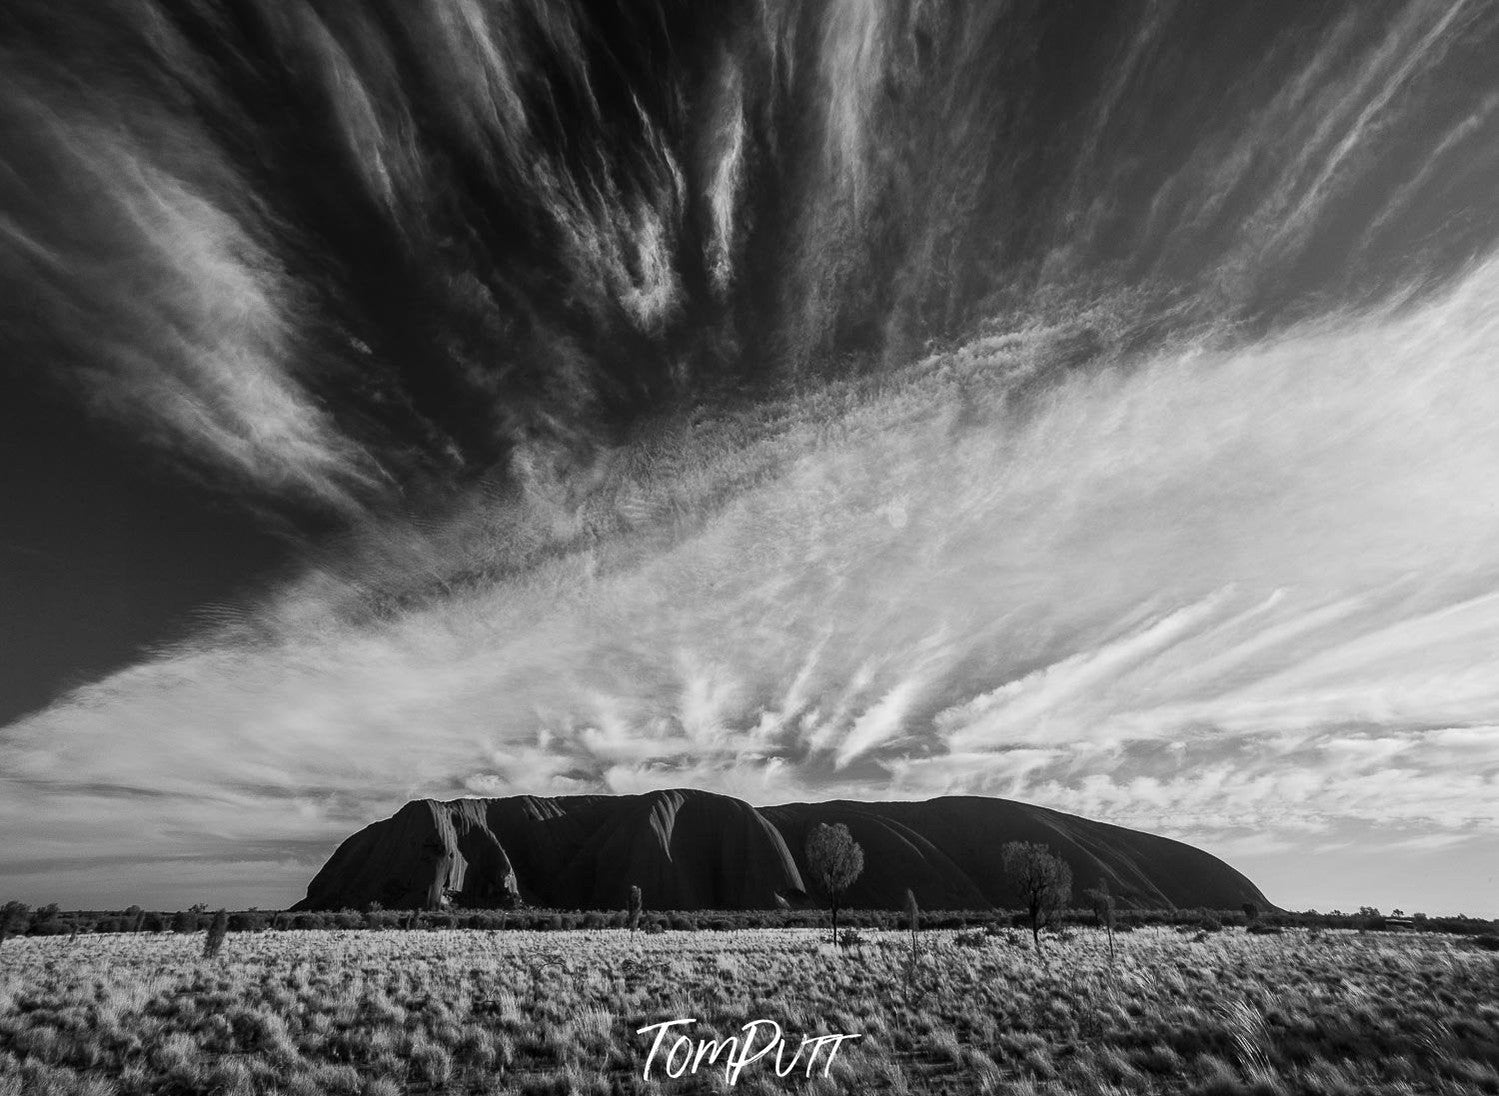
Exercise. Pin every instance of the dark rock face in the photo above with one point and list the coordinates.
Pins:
(696, 850)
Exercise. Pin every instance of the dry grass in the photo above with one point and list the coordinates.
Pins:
(389, 1012)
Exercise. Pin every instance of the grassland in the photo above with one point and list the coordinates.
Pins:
(385, 1012)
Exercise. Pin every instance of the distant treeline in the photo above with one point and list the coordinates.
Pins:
(52, 921)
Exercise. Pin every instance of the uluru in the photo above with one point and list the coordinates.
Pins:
(692, 850)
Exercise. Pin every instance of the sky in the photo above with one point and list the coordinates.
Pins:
(1083, 404)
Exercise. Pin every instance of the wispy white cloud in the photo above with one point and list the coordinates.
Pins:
(855, 38)
(1419, 32)
(175, 317)
(725, 148)
(1298, 158)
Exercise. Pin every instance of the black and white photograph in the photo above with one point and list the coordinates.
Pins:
(596, 547)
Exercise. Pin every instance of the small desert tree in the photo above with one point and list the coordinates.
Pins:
(835, 860)
(217, 928)
(14, 917)
(1103, 909)
(636, 905)
(1042, 879)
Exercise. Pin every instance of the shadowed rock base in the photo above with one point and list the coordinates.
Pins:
(691, 850)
